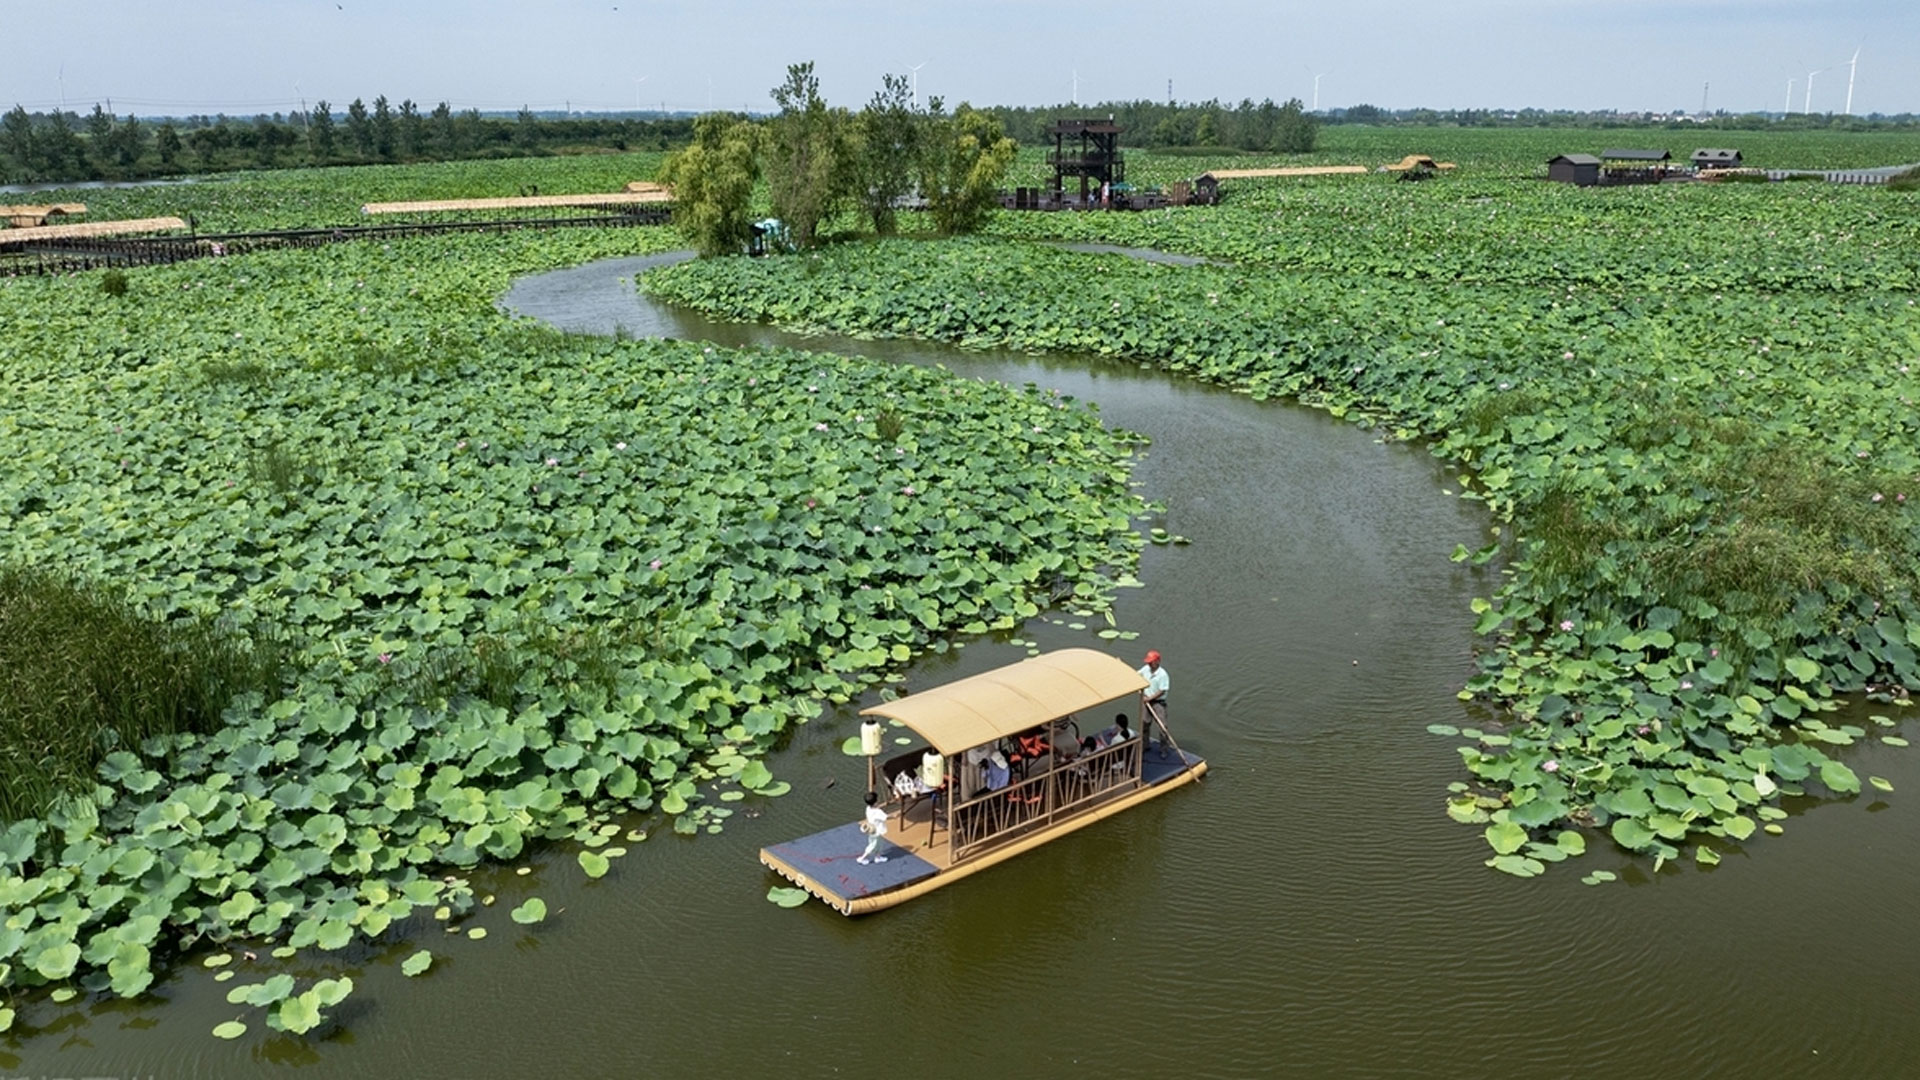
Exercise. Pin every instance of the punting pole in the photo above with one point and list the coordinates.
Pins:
(1147, 713)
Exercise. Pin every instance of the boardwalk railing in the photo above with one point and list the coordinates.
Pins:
(73, 255)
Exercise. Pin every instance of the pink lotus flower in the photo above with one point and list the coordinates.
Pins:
(822, 426)
(386, 658)
(654, 565)
(1566, 624)
(1551, 765)
(552, 461)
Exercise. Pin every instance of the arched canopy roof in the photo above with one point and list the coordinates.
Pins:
(1006, 701)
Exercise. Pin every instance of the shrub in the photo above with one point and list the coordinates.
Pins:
(113, 283)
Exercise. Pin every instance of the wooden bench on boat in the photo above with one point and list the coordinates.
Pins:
(979, 824)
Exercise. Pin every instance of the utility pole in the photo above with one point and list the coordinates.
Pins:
(1704, 87)
(1169, 91)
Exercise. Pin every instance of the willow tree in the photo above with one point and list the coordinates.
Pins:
(712, 182)
(963, 158)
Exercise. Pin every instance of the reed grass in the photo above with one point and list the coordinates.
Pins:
(83, 674)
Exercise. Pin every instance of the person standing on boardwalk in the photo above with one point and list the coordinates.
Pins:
(1154, 697)
(875, 826)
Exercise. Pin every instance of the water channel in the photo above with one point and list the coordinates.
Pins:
(1308, 910)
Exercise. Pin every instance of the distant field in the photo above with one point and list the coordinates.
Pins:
(1519, 152)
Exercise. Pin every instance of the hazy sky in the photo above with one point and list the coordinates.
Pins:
(248, 56)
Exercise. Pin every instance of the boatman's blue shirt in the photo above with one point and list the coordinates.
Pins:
(1156, 681)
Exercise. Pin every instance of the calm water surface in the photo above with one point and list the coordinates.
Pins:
(1307, 910)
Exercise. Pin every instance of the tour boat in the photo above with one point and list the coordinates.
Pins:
(1014, 757)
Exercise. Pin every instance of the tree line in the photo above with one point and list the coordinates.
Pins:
(819, 161)
(1284, 129)
(62, 147)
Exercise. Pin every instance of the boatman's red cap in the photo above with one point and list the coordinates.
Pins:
(1153, 656)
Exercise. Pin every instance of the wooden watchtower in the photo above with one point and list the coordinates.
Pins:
(1090, 150)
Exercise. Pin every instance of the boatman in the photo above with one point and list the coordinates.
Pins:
(1154, 697)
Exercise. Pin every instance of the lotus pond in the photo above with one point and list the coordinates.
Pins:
(331, 452)
(1306, 911)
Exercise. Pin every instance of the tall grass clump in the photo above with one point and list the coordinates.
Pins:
(83, 674)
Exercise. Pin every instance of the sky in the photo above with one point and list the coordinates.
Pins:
(243, 57)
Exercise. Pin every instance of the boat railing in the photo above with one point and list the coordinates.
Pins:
(1039, 800)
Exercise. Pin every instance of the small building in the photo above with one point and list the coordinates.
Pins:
(1716, 159)
(1581, 169)
(1206, 190)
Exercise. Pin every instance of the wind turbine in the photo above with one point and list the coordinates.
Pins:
(1851, 64)
(1316, 90)
(636, 91)
(915, 69)
(1807, 105)
(1787, 109)
(1076, 86)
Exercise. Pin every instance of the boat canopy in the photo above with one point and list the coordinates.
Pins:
(1006, 701)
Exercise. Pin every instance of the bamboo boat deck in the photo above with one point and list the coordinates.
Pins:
(918, 852)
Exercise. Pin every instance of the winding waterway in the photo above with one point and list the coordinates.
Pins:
(1308, 910)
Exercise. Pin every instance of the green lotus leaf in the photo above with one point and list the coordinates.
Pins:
(230, 1029)
(1505, 837)
(531, 912)
(786, 897)
(417, 963)
(594, 864)
(1517, 865)
(1838, 778)
(1632, 834)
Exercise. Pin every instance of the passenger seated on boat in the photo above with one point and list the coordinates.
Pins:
(1112, 736)
(901, 777)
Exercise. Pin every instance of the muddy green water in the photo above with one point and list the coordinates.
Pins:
(1308, 910)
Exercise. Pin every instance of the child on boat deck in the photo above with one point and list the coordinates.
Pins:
(875, 826)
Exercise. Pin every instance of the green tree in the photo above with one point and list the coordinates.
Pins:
(320, 133)
(1295, 131)
(962, 161)
(413, 130)
(207, 142)
(166, 143)
(100, 138)
(712, 182)
(808, 155)
(442, 135)
(17, 140)
(126, 143)
(359, 129)
(383, 128)
(887, 145)
(526, 130)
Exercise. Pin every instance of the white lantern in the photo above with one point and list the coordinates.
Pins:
(933, 769)
(870, 738)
